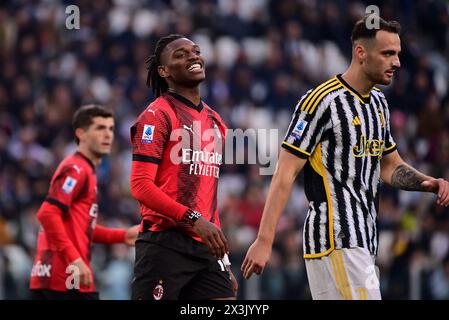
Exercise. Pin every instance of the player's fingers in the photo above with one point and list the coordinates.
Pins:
(258, 270)
(225, 241)
(441, 187)
(443, 194)
(214, 246)
(248, 270)
(88, 279)
(243, 266)
(221, 244)
(444, 200)
(84, 280)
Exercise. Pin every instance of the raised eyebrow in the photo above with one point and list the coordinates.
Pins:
(185, 49)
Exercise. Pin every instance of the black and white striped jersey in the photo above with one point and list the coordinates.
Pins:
(343, 135)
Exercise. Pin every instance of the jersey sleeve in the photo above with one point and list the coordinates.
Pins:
(149, 136)
(310, 120)
(66, 186)
(390, 144)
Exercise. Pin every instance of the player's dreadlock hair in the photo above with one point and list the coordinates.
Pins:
(154, 81)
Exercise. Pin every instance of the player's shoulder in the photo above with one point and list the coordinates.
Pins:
(157, 109)
(78, 163)
(320, 95)
(74, 165)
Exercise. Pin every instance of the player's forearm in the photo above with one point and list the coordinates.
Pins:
(107, 235)
(49, 217)
(407, 178)
(147, 193)
(277, 199)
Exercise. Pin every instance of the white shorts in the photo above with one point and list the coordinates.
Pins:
(344, 274)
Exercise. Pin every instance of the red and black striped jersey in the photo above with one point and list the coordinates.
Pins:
(187, 143)
(73, 189)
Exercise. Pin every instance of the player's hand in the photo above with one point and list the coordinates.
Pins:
(85, 275)
(131, 235)
(440, 187)
(212, 236)
(256, 258)
(235, 284)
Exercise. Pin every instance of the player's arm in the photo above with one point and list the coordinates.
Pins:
(63, 190)
(147, 193)
(287, 169)
(396, 172)
(107, 235)
(50, 218)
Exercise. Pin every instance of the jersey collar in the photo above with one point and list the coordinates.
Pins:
(362, 98)
(86, 158)
(186, 101)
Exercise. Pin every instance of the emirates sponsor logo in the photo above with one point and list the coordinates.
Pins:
(41, 270)
(206, 150)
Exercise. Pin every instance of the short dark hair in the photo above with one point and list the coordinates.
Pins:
(154, 81)
(361, 31)
(83, 117)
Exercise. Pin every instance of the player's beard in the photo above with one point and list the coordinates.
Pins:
(378, 77)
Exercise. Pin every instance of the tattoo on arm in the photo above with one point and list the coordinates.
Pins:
(407, 178)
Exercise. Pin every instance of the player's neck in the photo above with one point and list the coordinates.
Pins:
(357, 80)
(89, 155)
(192, 94)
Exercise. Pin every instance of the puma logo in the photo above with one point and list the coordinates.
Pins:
(190, 128)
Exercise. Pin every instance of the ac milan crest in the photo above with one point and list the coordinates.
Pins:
(158, 291)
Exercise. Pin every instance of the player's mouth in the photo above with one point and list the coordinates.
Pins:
(390, 73)
(195, 67)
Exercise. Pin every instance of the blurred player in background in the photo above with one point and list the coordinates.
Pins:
(340, 134)
(181, 252)
(68, 215)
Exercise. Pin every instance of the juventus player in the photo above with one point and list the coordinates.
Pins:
(340, 134)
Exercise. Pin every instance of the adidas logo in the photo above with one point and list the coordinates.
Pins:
(356, 121)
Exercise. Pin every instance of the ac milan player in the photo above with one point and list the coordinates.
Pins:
(68, 215)
(178, 142)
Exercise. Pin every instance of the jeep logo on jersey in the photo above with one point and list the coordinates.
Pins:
(69, 185)
(148, 133)
(373, 148)
(41, 270)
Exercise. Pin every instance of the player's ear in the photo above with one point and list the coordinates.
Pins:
(163, 71)
(79, 133)
(360, 52)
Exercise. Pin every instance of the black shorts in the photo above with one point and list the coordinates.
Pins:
(170, 265)
(41, 294)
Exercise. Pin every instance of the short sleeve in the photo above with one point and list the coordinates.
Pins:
(149, 136)
(66, 186)
(307, 127)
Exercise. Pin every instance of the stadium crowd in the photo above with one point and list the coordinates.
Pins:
(261, 55)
